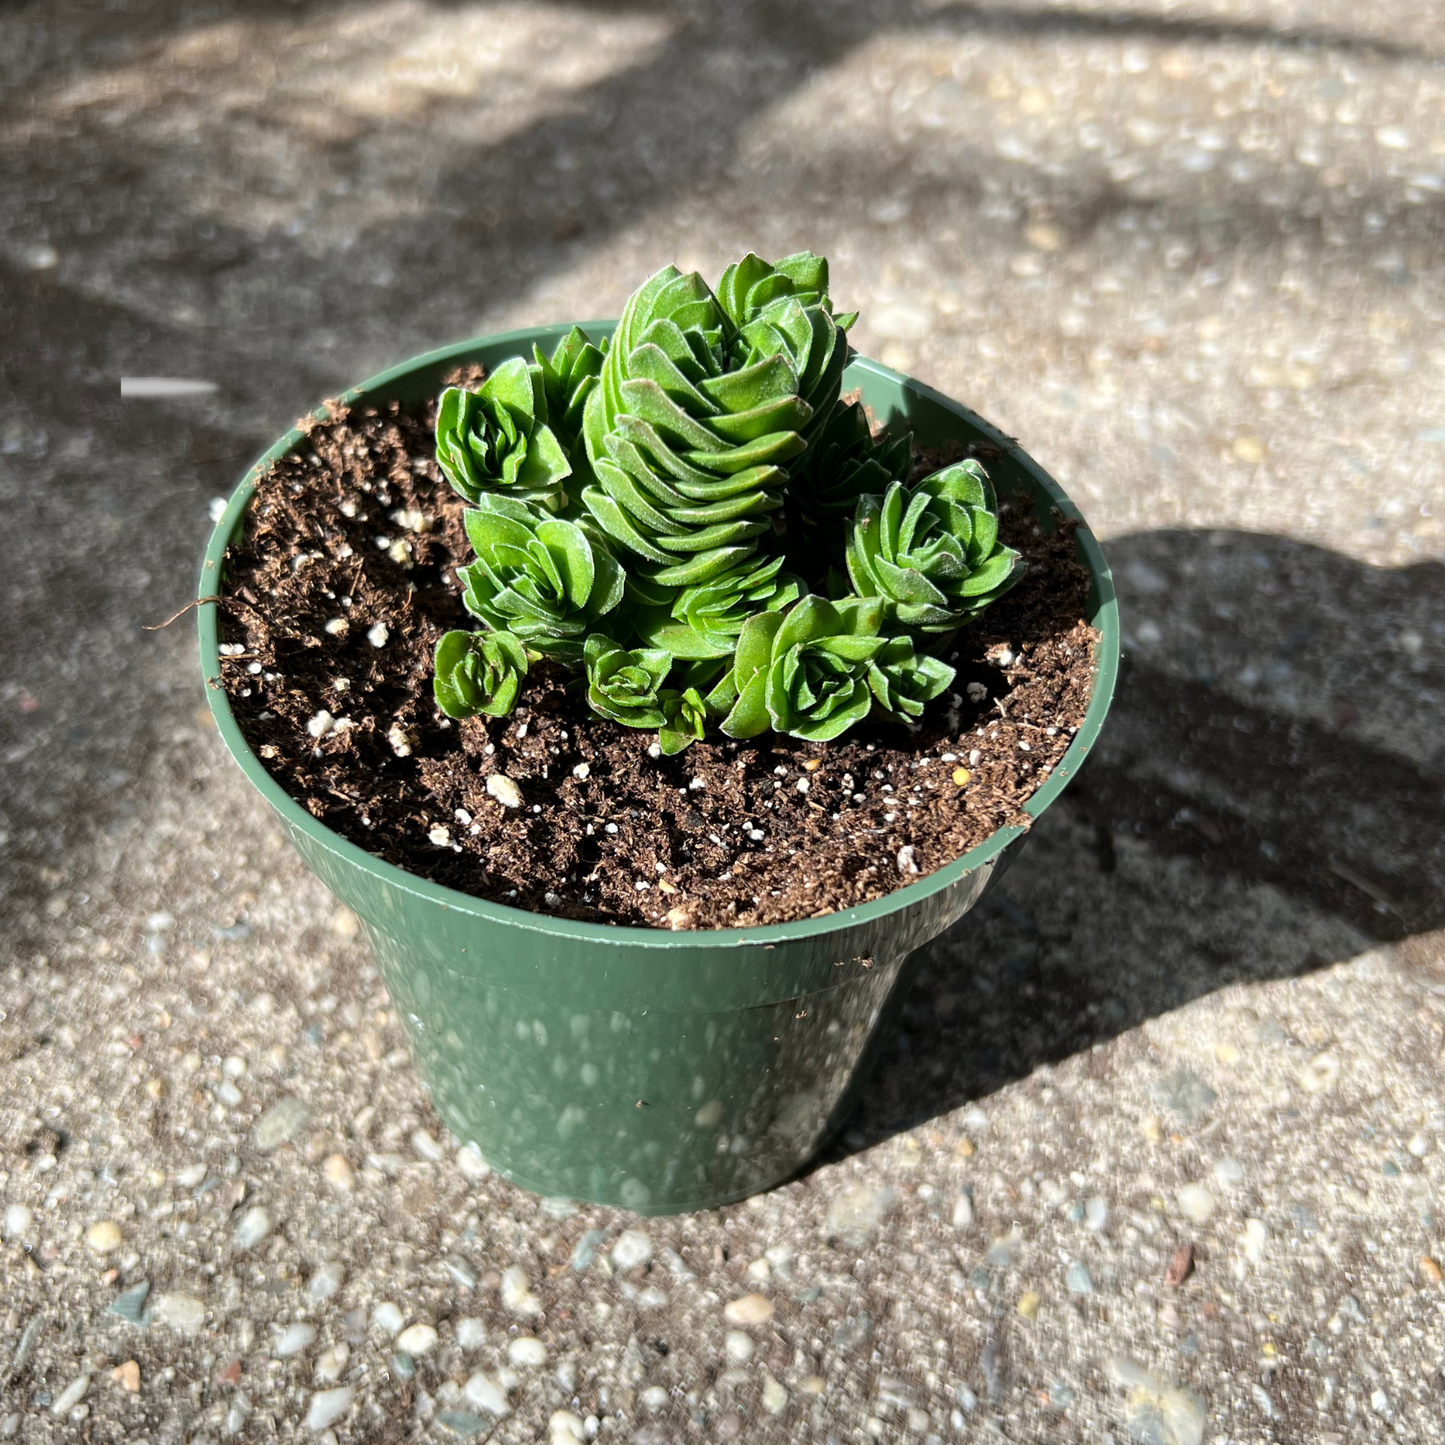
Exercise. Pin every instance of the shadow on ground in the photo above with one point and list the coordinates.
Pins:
(1277, 728)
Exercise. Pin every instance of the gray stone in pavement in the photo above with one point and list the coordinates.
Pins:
(1192, 257)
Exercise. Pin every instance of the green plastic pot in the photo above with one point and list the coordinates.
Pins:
(654, 1070)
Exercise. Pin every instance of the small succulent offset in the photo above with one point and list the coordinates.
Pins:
(661, 510)
(932, 555)
(478, 672)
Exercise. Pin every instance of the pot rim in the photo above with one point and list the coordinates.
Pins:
(1106, 661)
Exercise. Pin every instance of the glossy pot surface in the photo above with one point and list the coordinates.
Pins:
(655, 1070)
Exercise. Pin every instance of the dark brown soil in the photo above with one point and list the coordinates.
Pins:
(722, 835)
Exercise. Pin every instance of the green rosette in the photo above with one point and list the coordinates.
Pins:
(818, 669)
(703, 621)
(478, 672)
(544, 579)
(932, 555)
(625, 684)
(568, 377)
(686, 720)
(496, 439)
(687, 450)
(783, 308)
(844, 464)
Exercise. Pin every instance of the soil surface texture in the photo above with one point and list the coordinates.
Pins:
(347, 577)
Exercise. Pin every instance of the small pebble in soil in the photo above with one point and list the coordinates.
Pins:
(425, 1146)
(103, 1236)
(738, 1346)
(462, 1272)
(130, 1305)
(1077, 1279)
(331, 1364)
(963, 1211)
(184, 1313)
(582, 771)
(386, 1316)
(339, 1173)
(377, 635)
(775, 1397)
(751, 1309)
(586, 1248)
(281, 1122)
(504, 790)
(1252, 1241)
(567, 1429)
(402, 740)
(1229, 1172)
(471, 1164)
(516, 1292)
(326, 1281)
(70, 1396)
(460, 1424)
(471, 1334)
(1096, 1213)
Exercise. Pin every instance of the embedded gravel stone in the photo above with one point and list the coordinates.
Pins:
(281, 1122)
(328, 1406)
(633, 1247)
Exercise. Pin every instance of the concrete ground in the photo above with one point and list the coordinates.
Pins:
(1194, 257)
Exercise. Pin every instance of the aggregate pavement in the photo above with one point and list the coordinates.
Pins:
(1156, 1154)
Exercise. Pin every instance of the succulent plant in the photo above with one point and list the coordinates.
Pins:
(661, 578)
(687, 441)
(478, 672)
(844, 464)
(932, 554)
(496, 439)
(784, 309)
(626, 685)
(816, 670)
(703, 621)
(687, 715)
(568, 377)
(543, 578)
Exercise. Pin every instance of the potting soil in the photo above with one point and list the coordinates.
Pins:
(344, 581)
